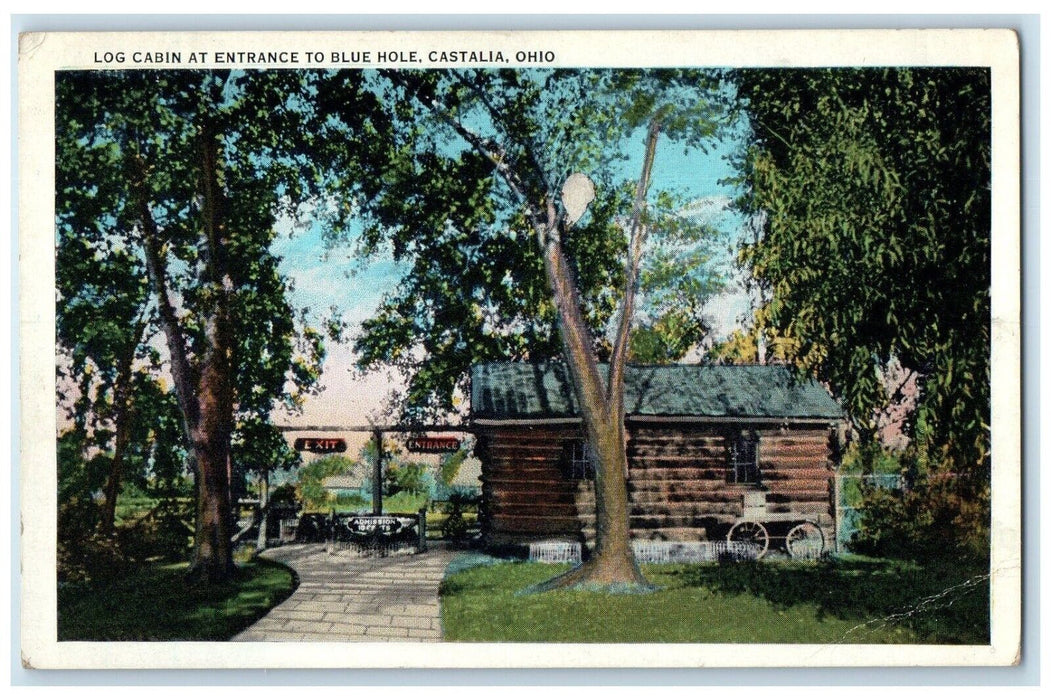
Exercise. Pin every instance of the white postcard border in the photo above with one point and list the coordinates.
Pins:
(42, 54)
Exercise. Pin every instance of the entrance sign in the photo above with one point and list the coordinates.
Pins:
(319, 445)
(427, 444)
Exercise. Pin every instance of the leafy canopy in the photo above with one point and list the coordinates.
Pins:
(872, 187)
(475, 289)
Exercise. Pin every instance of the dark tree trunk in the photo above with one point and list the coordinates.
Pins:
(122, 435)
(213, 552)
(205, 397)
(122, 420)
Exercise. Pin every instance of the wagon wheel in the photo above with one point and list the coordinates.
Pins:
(750, 531)
(805, 541)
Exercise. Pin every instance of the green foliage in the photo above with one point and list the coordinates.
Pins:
(269, 168)
(850, 601)
(450, 463)
(155, 604)
(475, 289)
(146, 243)
(405, 502)
(284, 495)
(456, 526)
(871, 188)
(936, 519)
(310, 491)
(408, 477)
(741, 347)
(165, 534)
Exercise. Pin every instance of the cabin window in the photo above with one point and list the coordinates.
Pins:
(744, 459)
(577, 460)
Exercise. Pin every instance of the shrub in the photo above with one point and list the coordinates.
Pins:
(939, 517)
(91, 558)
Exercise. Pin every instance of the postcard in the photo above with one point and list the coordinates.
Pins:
(520, 349)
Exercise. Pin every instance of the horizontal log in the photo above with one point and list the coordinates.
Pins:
(779, 473)
(524, 437)
(704, 478)
(779, 448)
(499, 496)
(538, 484)
(699, 432)
(542, 450)
(797, 495)
(792, 459)
(697, 452)
(646, 522)
(808, 508)
(794, 438)
(545, 510)
(533, 470)
(681, 471)
(503, 459)
(700, 499)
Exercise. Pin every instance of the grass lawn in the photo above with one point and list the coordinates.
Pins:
(855, 601)
(155, 604)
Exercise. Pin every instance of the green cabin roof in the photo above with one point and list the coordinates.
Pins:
(505, 391)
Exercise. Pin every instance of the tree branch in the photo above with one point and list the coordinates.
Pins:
(637, 234)
(498, 117)
(157, 273)
(574, 332)
(496, 156)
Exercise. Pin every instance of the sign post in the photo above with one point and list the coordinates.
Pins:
(377, 474)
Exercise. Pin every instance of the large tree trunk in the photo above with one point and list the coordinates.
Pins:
(213, 552)
(612, 565)
(205, 400)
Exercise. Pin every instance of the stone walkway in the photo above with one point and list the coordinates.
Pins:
(342, 598)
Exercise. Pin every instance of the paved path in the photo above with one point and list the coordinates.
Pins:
(344, 598)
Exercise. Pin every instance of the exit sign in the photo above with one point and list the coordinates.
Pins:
(320, 445)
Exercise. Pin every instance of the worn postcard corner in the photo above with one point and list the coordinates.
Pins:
(596, 349)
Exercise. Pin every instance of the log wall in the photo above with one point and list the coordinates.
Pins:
(678, 487)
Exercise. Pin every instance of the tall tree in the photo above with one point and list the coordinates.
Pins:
(484, 187)
(873, 189)
(185, 174)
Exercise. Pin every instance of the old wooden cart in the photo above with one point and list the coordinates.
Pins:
(795, 533)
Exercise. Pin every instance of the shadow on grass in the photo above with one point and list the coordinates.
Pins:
(156, 604)
(943, 602)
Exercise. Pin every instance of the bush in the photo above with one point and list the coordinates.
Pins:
(92, 558)
(165, 535)
(939, 517)
(455, 526)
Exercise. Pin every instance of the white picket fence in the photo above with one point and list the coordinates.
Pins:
(651, 552)
(555, 552)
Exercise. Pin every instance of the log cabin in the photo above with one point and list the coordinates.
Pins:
(709, 448)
